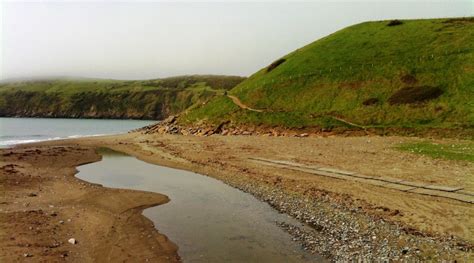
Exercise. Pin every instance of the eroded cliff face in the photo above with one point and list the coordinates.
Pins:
(103, 98)
(118, 105)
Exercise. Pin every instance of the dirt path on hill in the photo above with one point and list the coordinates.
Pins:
(239, 103)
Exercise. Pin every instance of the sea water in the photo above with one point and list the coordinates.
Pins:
(24, 130)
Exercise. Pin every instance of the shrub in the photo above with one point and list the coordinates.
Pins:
(408, 79)
(370, 101)
(275, 64)
(395, 22)
(415, 95)
(459, 20)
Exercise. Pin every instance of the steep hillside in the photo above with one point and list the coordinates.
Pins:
(387, 74)
(89, 98)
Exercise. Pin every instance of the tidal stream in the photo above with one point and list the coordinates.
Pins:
(208, 220)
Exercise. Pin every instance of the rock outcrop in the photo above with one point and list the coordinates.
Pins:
(170, 125)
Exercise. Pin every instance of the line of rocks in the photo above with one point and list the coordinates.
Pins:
(170, 126)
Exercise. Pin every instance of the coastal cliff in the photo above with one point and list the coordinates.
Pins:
(86, 98)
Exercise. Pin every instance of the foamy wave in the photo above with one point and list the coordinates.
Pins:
(91, 135)
(10, 143)
(14, 142)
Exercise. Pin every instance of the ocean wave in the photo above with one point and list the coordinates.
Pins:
(89, 135)
(15, 142)
(10, 143)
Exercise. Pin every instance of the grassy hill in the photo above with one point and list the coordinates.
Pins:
(387, 74)
(98, 98)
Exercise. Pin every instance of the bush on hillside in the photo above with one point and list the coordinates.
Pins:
(408, 79)
(410, 95)
(371, 101)
(459, 20)
(275, 64)
(395, 22)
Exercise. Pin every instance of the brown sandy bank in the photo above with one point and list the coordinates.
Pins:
(350, 219)
(42, 206)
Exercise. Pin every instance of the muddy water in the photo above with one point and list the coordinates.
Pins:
(209, 220)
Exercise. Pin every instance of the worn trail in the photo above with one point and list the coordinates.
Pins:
(242, 105)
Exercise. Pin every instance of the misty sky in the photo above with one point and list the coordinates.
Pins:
(142, 40)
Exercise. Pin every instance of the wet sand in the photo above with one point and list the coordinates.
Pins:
(350, 220)
(43, 206)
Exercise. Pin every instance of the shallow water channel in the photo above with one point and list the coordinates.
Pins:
(209, 220)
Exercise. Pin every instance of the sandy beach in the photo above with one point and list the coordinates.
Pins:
(44, 205)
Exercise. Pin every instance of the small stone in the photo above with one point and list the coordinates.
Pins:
(72, 241)
(27, 255)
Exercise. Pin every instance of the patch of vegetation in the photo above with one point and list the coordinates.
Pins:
(410, 95)
(408, 79)
(395, 22)
(335, 75)
(147, 99)
(275, 64)
(464, 152)
(371, 101)
(459, 20)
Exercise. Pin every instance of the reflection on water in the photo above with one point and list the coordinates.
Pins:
(209, 220)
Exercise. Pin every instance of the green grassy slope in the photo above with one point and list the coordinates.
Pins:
(141, 99)
(355, 74)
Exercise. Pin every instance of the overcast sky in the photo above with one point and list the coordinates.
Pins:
(140, 40)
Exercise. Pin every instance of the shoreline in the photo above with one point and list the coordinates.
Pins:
(45, 205)
(19, 143)
(346, 225)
